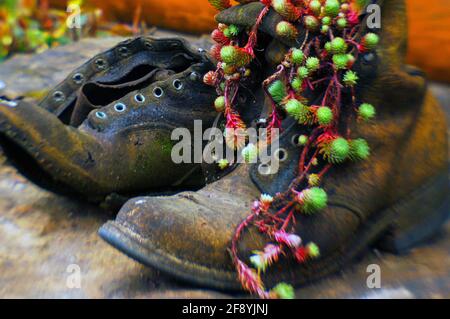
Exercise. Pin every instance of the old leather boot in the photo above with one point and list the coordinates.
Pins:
(127, 114)
(396, 199)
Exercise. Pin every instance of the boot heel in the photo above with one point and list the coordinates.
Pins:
(418, 217)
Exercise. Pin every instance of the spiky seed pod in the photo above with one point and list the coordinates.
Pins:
(340, 61)
(302, 140)
(297, 84)
(249, 153)
(234, 140)
(366, 111)
(277, 91)
(282, 291)
(293, 107)
(297, 56)
(312, 64)
(312, 200)
(220, 4)
(350, 78)
(299, 111)
(235, 56)
(313, 180)
(286, 30)
(327, 46)
(228, 69)
(315, 6)
(219, 37)
(286, 9)
(324, 115)
(223, 163)
(337, 150)
(326, 20)
(350, 60)
(359, 149)
(219, 103)
(210, 78)
(370, 41)
(332, 7)
(231, 31)
(338, 46)
(324, 29)
(341, 23)
(266, 199)
(311, 23)
(215, 51)
(345, 7)
(313, 250)
(302, 72)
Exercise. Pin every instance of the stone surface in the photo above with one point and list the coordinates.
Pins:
(46, 237)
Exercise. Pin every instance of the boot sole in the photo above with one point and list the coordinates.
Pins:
(396, 229)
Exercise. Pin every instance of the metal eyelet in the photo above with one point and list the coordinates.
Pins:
(78, 78)
(120, 107)
(369, 57)
(148, 45)
(264, 169)
(177, 84)
(158, 92)
(58, 96)
(123, 51)
(100, 63)
(140, 98)
(281, 154)
(101, 115)
(201, 50)
(294, 139)
(194, 76)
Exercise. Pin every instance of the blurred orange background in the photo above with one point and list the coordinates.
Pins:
(429, 25)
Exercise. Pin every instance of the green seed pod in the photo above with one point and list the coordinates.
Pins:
(283, 291)
(315, 6)
(313, 250)
(302, 140)
(277, 90)
(370, 41)
(313, 180)
(340, 61)
(234, 56)
(313, 199)
(302, 72)
(328, 46)
(324, 29)
(249, 153)
(338, 150)
(326, 20)
(297, 56)
(359, 149)
(312, 64)
(297, 84)
(258, 262)
(338, 46)
(366, 111)
(341, 23)
(286, 30)
(332, 7)
(350, 78)
(311, 23)
(324, 115)
(223, 163)
(219, 103)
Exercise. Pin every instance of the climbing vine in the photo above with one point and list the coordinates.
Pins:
(321, 63)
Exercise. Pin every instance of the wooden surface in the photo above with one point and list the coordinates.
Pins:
(42, 234)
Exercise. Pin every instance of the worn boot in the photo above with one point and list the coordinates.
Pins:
(396, 199)
(107, 128)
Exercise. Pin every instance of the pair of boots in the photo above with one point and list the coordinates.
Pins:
(104, 134)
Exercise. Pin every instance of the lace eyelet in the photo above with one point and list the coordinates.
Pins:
(194, 76)
(158, 92)
(101, 115)
(120, 107)
(58, 96)
(100, 63)
(280, 154)
(177, 84)
(140, 98)
(78, 78)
